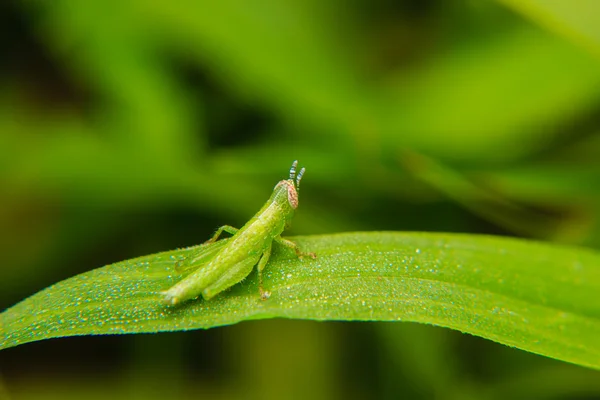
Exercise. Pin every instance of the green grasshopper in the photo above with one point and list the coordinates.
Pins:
(220, 265)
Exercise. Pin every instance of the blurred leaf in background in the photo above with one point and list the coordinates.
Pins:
(128, 128)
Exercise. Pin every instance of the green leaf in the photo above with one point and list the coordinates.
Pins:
(290, 55)
(489, 95)
(580, 21)
(537, 297)
(480, 199)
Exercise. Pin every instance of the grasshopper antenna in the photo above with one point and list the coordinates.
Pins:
(300, 175)
(293, 170)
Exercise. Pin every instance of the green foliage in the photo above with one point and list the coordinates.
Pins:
(579, 23)
(133, 128)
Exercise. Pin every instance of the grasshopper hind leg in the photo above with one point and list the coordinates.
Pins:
(200, 256)
(233, 275)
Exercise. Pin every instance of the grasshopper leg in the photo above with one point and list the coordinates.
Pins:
(236, 273)
(199, 257)
(261, 265)
(291, 245)
(227, 228)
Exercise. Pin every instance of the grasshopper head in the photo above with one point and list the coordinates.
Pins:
(289, 188)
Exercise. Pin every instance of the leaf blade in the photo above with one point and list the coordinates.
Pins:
(534, 296)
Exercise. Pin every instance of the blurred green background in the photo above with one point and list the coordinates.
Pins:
(128, 128)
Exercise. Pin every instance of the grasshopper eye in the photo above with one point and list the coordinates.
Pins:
(292, 195)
